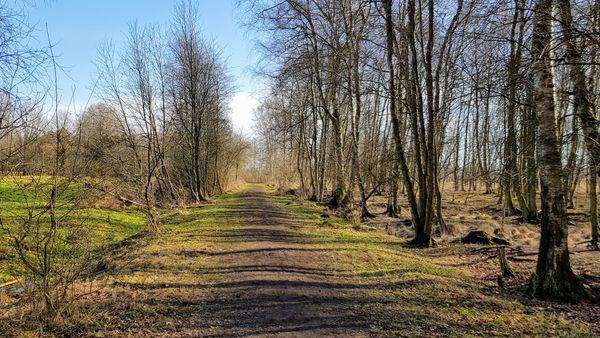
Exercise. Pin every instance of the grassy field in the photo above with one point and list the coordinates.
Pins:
(103, 226)
(257, 263)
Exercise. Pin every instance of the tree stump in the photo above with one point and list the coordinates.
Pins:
(482, 237)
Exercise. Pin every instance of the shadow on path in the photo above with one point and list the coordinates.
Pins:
(265, 272)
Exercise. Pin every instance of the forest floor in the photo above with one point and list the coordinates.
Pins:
(255, 263)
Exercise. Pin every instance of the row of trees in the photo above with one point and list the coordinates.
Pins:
(158, 136)
(160, 129)
(168, 93)
(402, 96)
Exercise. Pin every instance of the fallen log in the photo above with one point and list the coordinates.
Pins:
(482, 237)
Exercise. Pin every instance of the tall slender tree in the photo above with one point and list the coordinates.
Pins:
(554, 276)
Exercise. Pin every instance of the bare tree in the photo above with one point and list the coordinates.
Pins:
(553, 276)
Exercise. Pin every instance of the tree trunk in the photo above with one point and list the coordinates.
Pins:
(393, 209)
(408, 184)
(581, 92)
(530, 125)
(553, 277)
(594, 206)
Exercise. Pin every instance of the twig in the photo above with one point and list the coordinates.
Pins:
(519, 259)
(494, 247)
(10, 283)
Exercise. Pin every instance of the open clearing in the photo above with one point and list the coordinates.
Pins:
(254, 263)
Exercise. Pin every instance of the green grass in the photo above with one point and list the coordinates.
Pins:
(462, 305)
(371, 277)
(434, 292)
(19, 195)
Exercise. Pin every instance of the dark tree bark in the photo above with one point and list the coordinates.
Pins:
(582, 104)
(410, 192)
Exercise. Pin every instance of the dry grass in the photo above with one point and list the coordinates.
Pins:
(466, 211)
(258, 264)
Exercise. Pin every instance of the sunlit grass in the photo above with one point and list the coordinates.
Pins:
(19, 195)
(409, 291)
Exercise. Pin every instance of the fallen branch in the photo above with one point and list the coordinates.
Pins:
(10, 283)
(514, 255)
(525, 254)
(493, 248)
(588, 241)
(518, 259)
(122, 199)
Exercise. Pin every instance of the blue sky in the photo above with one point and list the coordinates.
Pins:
(77, 27)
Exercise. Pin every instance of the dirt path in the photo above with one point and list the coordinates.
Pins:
(257, 264)
(263, 273)
(276, 278)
